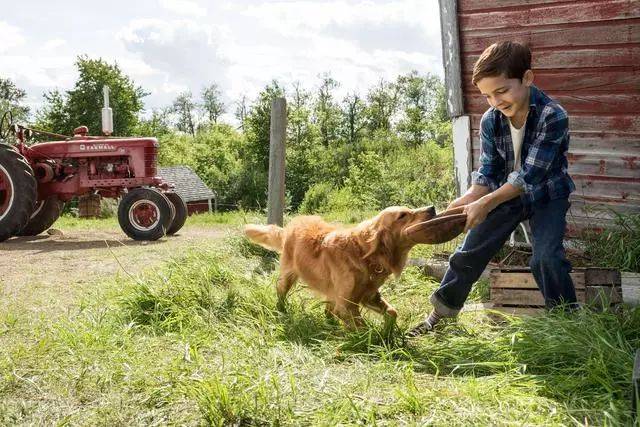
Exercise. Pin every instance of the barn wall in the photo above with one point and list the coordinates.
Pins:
(586, 54)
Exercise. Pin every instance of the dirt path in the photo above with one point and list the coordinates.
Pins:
(47, 273)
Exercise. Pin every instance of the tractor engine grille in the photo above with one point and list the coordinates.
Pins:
(150, 161)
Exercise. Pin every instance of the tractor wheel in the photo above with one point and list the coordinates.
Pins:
(144, 214)
(17, 192)
(45, 214)
(181, 212)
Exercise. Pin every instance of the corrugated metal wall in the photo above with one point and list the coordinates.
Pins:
(586, 54)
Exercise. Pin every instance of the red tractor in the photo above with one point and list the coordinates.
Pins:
(36, 180)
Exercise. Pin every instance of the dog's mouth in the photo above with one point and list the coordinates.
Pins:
(438, 228)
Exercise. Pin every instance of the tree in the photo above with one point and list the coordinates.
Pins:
(157, 125)
(383, 105)
(353, 118)
(241, 112)
(212, 103)
(184, 108)
(327, 113)
(83, 104)
(11, 98)
(299, 115)
(423, 102)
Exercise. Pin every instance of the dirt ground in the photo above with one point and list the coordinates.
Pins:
(47, 273)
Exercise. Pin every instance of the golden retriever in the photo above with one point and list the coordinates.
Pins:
(346, 266)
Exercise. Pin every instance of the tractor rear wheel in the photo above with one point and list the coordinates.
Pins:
(17, 192)
(46, 212)
(181, 212)
(144, 214)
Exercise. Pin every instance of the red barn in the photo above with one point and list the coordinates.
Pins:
(586, 54)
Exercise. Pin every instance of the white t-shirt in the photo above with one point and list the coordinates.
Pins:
(517, 136)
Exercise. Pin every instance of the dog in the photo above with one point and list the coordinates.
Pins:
(346, 266)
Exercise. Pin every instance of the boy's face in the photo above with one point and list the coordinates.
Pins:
(510, 96)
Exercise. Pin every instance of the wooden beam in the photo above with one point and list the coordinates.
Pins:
(451, 56)
(278, 133)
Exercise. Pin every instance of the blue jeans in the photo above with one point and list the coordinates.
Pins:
(548, 264)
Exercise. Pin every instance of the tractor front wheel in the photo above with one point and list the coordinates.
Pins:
(144, 214)
(17, 192)
(181, 212)
(46, 212)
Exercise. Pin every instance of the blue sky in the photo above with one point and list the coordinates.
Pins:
(169, 46)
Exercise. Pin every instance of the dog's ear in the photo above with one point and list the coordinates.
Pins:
(383, 248)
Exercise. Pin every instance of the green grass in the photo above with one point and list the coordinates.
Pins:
(201, 342)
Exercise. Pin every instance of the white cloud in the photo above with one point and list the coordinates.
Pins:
(10, 37)
(183, 7)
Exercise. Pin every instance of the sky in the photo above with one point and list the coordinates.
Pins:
(171, 46)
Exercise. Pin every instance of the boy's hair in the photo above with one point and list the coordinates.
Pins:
(509, 58)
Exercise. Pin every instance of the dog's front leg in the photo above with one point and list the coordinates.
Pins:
(379, 305)
(285, 282)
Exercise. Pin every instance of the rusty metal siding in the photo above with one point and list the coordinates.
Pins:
(586, 55)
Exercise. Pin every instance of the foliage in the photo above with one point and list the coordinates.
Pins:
(12, 99)
(83, 104)
(617, 247)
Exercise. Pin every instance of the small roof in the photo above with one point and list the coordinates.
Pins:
(187, 183)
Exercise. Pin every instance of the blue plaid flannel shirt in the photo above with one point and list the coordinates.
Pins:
(544, 172)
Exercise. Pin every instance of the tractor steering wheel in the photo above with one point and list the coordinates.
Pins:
(6, 125)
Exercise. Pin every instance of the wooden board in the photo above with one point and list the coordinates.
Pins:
(525, 280)
(523, 297)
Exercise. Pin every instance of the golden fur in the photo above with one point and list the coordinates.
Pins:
(346, 266)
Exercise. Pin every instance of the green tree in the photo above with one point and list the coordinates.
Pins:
(353, 119)
(212, 103)
(326, 111)
(383, 105)
(83, 104)
(11, 99)
(184, 108)
(157, 125)
(423, 103)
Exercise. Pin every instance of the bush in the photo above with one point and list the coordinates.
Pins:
(316, 199)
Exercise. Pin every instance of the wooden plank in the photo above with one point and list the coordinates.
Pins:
(519, 311)
(630, 288)
(554, 14)
(601, 277)
(466, 6)
(573, 103)
(558, 36)
(451, 56)
(590, 125)
(523, 297)
(525, 280)
(601, 296)
(609, 81)
(624, 56)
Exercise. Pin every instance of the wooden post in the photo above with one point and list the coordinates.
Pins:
(275, 214)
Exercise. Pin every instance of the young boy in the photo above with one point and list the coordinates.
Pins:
(522, 175)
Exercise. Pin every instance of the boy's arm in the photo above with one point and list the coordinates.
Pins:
(543, 151)
(485, 179)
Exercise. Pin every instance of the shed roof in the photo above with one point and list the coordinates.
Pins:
(187, 183)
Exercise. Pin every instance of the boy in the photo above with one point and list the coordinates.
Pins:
(522, 175)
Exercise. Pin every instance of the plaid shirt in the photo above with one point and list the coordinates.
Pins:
(543, 175)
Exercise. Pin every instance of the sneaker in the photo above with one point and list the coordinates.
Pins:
(425, 326)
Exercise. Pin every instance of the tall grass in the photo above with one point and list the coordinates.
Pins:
(618, 247)
(200, 342)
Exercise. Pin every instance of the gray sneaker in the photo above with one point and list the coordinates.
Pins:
(425, 326)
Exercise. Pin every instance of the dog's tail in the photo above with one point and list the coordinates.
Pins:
(267, 236)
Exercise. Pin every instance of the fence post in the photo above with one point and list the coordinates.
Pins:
(278, 132)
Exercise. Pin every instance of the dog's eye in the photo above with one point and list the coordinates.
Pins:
(402, 215)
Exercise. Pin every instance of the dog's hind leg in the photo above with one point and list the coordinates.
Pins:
(285, 282)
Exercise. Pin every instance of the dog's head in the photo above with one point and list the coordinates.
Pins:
(386, 237)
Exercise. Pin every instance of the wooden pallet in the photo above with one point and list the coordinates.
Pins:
(514, 290)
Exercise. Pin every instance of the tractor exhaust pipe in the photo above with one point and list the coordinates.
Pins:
(107, 114)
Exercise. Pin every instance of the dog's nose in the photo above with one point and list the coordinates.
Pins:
(431, 210)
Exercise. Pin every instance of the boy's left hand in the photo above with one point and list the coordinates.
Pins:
(476, 213)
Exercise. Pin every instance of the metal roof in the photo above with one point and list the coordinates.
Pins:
(586, 55)
(188, 184)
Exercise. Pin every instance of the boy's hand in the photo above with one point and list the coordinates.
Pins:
(476, 213)
(473, 194)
